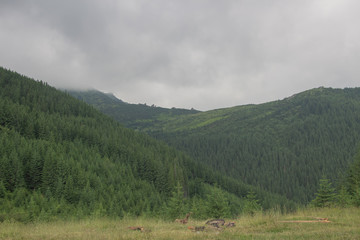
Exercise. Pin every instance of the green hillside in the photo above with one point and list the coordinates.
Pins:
(283, 146)
(128, 114)
(59, 157)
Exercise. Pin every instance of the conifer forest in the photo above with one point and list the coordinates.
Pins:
(65, 155)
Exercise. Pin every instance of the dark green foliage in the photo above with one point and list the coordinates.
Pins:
(79, 161)
(347, 192)
(128, 114)
(325, 195)
(353, 177)
(217, 204)
(351, 186)
(251, 205)
(3, 191)
(60, 157)
(176, 204)
(283, 146)
(343, 198)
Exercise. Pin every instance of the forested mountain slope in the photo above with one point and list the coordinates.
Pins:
(283, 146)
(61, 157)
(128, 114)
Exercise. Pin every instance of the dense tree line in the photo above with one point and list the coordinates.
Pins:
(126, 113)
(60, 157)
(346, 191)
(283, 146)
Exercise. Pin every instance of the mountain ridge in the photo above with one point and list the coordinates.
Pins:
(61, 157)
(298, 139)
(125, 112)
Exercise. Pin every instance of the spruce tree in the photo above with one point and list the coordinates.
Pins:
(217, 205)
(325, 195)
(175, 206)
(353, 179)
(252, 203)
(343, 198)
(3, 191)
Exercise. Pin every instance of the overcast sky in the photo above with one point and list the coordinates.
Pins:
(204, 54)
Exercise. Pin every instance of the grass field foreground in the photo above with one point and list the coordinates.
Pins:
(343, 224)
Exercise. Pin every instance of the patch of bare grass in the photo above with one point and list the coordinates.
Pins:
(344, 225)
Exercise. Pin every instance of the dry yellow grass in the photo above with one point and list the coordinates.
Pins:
(345, 224)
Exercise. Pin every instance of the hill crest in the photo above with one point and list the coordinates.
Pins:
(284, 146)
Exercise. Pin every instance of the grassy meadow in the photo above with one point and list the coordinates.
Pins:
(344, 224)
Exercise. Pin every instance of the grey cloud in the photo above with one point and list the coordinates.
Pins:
(202, 54)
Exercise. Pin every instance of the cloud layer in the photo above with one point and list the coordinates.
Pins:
(203, 54)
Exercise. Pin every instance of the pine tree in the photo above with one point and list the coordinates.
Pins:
(69, 190)
(356, 197)
(198, 208)
(175, 206)
(14, 174)
(217, 205)
(3, 191)
(34, 170)
(252, 203)
(353, 179)
(343, 198)
(325, 194)
(49, 172)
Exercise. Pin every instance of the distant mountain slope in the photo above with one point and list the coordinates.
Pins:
(128, 114)
(283, 146)
(61, 157)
